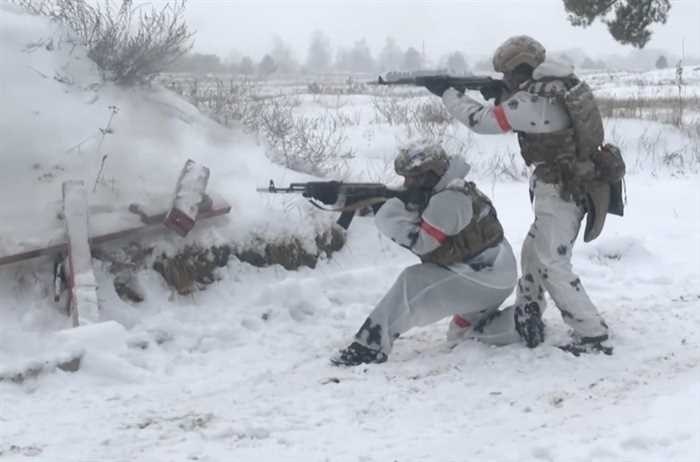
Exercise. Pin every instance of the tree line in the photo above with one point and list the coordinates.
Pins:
(628, 22)
(321, 58)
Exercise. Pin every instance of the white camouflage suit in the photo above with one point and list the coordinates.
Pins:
(425, 293)
(546, 252)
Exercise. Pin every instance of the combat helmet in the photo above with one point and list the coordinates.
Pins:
(517, 50)
(420, 157)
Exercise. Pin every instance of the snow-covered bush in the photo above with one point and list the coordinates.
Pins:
(225, 102)
(130, 44)
(391, 110)
(429, 119)
(303, 143)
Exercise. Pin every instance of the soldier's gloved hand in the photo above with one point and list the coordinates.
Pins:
(323, 191)
(437, 87)
(416, 198)
(490, 92)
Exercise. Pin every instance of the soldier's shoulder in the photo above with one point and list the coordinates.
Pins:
(461, 186)
(553, 70)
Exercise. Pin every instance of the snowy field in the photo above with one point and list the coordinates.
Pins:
(240, 371)
(662, 83)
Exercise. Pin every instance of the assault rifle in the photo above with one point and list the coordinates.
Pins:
(489, 87)
(348, 198)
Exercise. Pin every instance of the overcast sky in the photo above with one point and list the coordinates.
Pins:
(441, 26)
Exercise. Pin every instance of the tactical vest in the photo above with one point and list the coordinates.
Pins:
(565, 156)
(481, 233)
(588, 171)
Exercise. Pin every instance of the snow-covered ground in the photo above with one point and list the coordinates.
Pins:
(661, 83)
(240, 370)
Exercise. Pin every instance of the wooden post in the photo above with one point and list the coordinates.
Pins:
(189, 195)
(82, 285)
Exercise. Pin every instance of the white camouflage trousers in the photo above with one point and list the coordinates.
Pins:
(426, 292)
(546, 262)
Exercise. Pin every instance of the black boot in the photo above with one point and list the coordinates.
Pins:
(357, 354)
(529, 324)
(597, 344)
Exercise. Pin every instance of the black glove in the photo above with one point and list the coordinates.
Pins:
(491, 92)
(324, 191)
(437, 86)
(416, 198)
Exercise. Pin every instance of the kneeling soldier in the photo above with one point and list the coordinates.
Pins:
(467, 266)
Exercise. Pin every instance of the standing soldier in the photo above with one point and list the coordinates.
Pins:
(560, 133)
(467, 266)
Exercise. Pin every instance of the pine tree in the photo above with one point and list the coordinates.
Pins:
(267, 66)
(457, 64)
(628, 20)
(246, 66)
(662, 62)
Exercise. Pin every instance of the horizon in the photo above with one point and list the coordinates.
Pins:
(217, 30)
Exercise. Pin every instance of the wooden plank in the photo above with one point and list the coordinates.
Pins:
(189, 193)
(219, 206)
(82, 284)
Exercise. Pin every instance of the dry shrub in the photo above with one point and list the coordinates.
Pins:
(306, 144)
(665, 110)
(130, 44)
(391, 110)
(192, 268)
(227, 103)
(291, 253)
(349, 87)
(507, 165)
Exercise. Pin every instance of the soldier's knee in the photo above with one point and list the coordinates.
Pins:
(553, 256)
(411, 272)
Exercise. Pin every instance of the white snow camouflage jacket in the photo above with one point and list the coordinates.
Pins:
(446, 214)
(521, 112)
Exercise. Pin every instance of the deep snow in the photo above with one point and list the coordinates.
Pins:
(240, 370)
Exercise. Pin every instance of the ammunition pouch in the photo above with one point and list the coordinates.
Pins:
(539, 148)
(609, 164)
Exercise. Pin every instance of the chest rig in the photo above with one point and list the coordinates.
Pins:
(483, 231)
(565, 156)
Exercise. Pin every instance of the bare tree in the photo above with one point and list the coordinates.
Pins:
(283, 57)
(357, 59)
(412, 60)
(319, 59)
(391, 56)
(457, 64)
